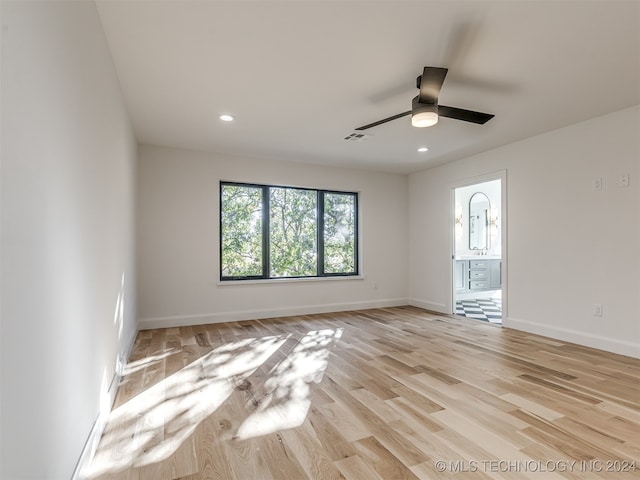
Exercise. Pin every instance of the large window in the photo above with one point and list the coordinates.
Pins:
(279, 232)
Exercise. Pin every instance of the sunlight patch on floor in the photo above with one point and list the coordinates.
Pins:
(151, 426)
(287, 388)
(145, 362)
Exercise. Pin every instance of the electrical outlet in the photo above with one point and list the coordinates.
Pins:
(597, 309)
(623, 181)
(597, 184)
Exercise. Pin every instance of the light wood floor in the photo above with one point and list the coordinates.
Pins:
(394, 393)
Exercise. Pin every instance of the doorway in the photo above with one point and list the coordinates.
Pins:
(478, 249)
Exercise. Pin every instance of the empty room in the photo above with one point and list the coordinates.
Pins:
(287, 240)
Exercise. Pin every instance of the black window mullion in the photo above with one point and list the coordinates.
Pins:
(266, 249)
(220, 232)
(320, 233)
(356, 235)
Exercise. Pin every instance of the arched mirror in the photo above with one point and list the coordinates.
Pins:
(479, 211)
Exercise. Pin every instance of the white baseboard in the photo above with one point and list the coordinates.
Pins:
(621, 347)
(91, 445)
(427, 305)
(220, 317)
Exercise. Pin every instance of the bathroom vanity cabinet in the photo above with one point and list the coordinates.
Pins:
(478, 274)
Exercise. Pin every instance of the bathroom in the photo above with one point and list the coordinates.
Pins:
(478, 251)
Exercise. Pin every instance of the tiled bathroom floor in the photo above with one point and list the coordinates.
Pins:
(487, 309)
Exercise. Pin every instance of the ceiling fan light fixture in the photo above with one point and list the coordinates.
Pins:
(423, 114)
(424, 119)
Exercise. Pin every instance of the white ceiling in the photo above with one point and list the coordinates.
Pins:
(300, 76)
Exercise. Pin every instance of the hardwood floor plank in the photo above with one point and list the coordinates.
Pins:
(334, 444)
(354, 468)
(371, 394)
(437, 373)
(182, 462)
(396, 443)
(426, 440)
(573, 446)
(348, 425)
(473, 430)
(417, 400)
(213, 458)
(570, 392)
(310, 454)
(531, 407)
(382, 460)
(379, 406)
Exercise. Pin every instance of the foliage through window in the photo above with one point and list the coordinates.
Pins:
(279, 232)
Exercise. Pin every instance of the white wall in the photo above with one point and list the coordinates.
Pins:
(568, 246)
(178, 240)
(67, 282)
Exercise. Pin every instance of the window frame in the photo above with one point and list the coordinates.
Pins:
(265, 231)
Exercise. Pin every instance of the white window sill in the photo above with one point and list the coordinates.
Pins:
(272, 281)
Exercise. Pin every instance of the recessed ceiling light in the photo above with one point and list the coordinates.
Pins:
(226, 117)
(423, 149)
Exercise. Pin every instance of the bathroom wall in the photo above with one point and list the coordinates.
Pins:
(462, 196)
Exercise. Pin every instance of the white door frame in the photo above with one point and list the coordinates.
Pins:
(497, 175)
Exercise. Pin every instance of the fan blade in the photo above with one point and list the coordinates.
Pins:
(430, 84)
(379, 122)
(464, 115)
(462, 37)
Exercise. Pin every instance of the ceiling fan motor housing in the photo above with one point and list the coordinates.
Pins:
(423, 114)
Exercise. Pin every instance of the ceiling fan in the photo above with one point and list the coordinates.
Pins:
(425, 109)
